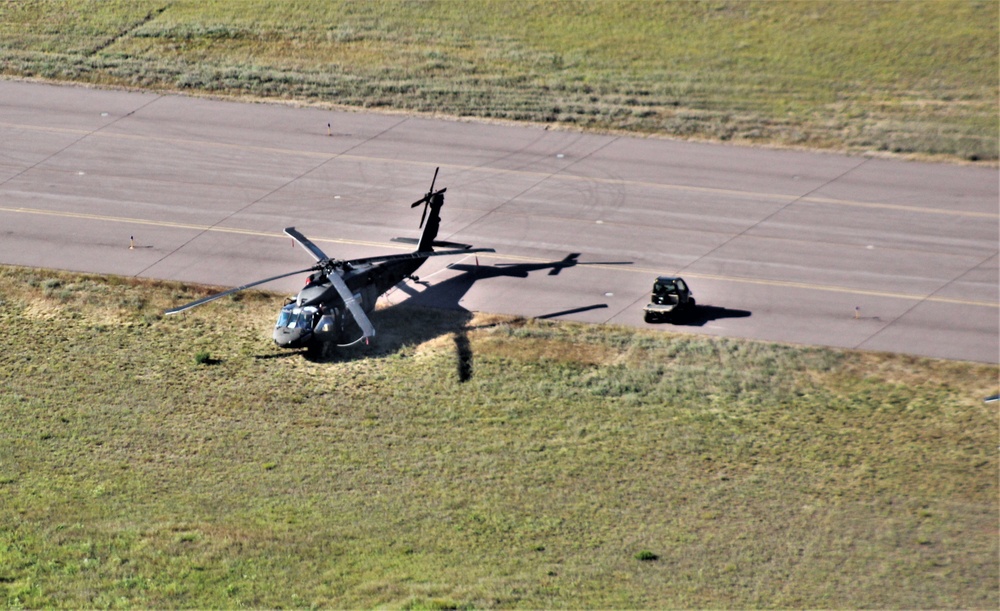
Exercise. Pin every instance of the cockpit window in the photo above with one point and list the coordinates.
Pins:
(297, 318)
(305, 318)
(284, 316)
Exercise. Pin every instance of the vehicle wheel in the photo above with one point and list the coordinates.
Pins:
(649, 317)
(692, 303)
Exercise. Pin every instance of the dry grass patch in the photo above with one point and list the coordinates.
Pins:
(911, 371)
(876, 77)
(757, 474)
(542, 350)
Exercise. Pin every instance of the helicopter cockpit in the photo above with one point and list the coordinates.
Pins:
(293, 317)
(297, 325)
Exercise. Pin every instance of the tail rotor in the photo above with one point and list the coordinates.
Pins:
(426, 199)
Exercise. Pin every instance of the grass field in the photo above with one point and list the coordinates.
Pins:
(911, 77)
(186, 462)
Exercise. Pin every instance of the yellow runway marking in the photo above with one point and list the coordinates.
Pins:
(191, 226)
(852, 291)
(501, 257)
(760, 281)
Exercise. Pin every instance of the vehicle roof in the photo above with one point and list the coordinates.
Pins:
(666, 279)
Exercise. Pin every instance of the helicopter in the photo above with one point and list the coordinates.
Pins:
(338, 292)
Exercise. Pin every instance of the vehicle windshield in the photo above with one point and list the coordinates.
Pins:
(660, 287)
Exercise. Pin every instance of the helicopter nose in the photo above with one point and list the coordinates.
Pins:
(288, 338)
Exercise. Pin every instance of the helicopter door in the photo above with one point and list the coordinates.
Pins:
(369, 295)
(327, 323)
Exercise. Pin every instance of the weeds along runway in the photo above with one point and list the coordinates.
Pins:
(787, 246)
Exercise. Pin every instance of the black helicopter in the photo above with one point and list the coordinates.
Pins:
(337, 291)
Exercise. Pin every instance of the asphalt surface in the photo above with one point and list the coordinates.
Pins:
(786, 246)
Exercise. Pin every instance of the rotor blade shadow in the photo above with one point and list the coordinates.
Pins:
(570, 260)
(279, 355)
(596, 306)
(463, 355)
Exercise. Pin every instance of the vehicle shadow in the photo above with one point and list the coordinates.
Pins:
(701, 314)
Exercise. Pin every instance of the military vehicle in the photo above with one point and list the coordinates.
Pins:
(670, 299)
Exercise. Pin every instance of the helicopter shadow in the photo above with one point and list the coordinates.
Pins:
(701, 314)
(436, 311)
(449, 293)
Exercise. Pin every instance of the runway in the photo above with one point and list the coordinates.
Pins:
(777, 245)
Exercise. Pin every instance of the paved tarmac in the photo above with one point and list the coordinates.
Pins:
(786, 246)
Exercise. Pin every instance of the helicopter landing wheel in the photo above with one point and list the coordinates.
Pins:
(320, 351)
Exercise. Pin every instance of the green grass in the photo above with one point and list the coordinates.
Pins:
(906, 77)
(577, 466)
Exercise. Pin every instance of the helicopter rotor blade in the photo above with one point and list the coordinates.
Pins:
(414, 255)
(423, 215)
(306, 243)
(352, 304)
(336, 280)
(204, 300)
